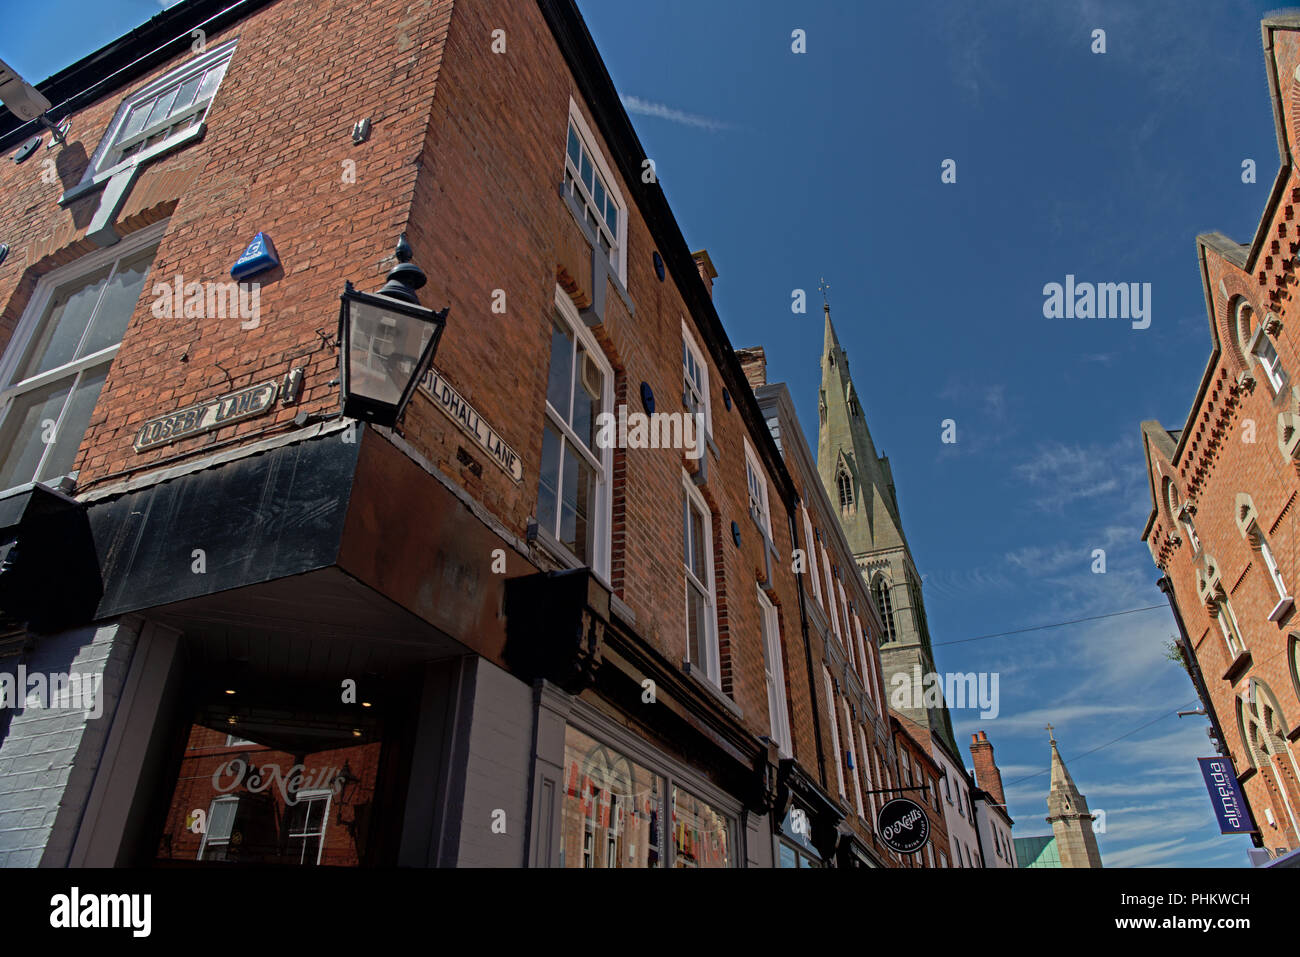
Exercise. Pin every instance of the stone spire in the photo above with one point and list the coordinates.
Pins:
(1067, 812)
(860, 484)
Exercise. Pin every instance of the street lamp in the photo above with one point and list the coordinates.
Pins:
(387, 341)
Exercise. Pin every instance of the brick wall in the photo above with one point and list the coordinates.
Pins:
(1230, 447)
(49, 757)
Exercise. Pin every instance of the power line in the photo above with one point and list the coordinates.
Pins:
(1126, 734)
(1284, 650)
(1058, 624)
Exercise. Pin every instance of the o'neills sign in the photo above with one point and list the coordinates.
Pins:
(223, 410)
(903, 826)
(471, 423)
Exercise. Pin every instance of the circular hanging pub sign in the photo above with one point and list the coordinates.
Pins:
(903, 825)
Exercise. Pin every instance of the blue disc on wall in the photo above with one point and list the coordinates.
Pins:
(726, 399)
(659, 265)
(648, 397)
(735, 534)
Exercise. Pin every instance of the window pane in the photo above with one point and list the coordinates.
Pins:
(561, 376)
(549, 479)
(135, 122)
(185, 96)
(587, 174)
(64, 324)
(587, 392)
(25, 431)
(598, 194)
(221, 820)
(613, 808)
(73, 427)
(161, 108)
(577, 506)
(695, 558)
(575, 152)
(611, 216)
(788, 858)
(211, 80)
(696, 625)
(700, 833)
(119, 302)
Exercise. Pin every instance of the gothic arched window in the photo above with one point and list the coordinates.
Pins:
(880, 594)
(845, 486)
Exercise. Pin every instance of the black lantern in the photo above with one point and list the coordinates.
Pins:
(387, 341)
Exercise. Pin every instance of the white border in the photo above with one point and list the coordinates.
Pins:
(714, 670)
(611, 182)
(604, 495)
(202, 61)
(689, 339)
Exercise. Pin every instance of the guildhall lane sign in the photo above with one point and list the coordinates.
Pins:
(212, 414)
(471, 423)
(903, 825)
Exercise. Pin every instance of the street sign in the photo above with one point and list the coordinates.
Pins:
(903, 825)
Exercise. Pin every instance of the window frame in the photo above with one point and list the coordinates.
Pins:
(314, 795)
(844, 488)
(605, 466)
(713, 667)
(31, 323)
(1260, 343)
(587, 139)
(587, 720)
(835, 732)
(756, 481)
(697, 354)
(881, 587)
(99, 169)
(810, 553)
(774, 673)
(830, 594)
(852, 757)
(1274, 573)
(207, 830)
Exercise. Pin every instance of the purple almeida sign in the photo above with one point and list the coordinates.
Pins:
(1225, 794)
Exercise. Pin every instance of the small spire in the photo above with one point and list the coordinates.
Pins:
(1051, 736)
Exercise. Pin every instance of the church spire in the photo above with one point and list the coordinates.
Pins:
(1067, 812)
(860, 482)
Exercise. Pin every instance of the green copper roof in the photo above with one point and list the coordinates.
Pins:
(1037, 851)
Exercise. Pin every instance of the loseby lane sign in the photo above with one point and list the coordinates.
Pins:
(1225, 795)
(212, 414)
(903, 826)
(471, 423)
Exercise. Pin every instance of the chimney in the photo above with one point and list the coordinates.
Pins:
(705, 265)
(987, 775)
(754, 362)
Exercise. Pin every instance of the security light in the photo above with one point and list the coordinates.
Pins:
(24, 100)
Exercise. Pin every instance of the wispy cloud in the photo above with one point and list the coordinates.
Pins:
(634, 104)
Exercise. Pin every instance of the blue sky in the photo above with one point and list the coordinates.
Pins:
(789, 167)
(792, 167)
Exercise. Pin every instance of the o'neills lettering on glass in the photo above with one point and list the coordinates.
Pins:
(471, 423)
(212, 414)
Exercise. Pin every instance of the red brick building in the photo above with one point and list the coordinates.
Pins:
(919, 771)
(487, 636)
(1224, 485)
(840, 717)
